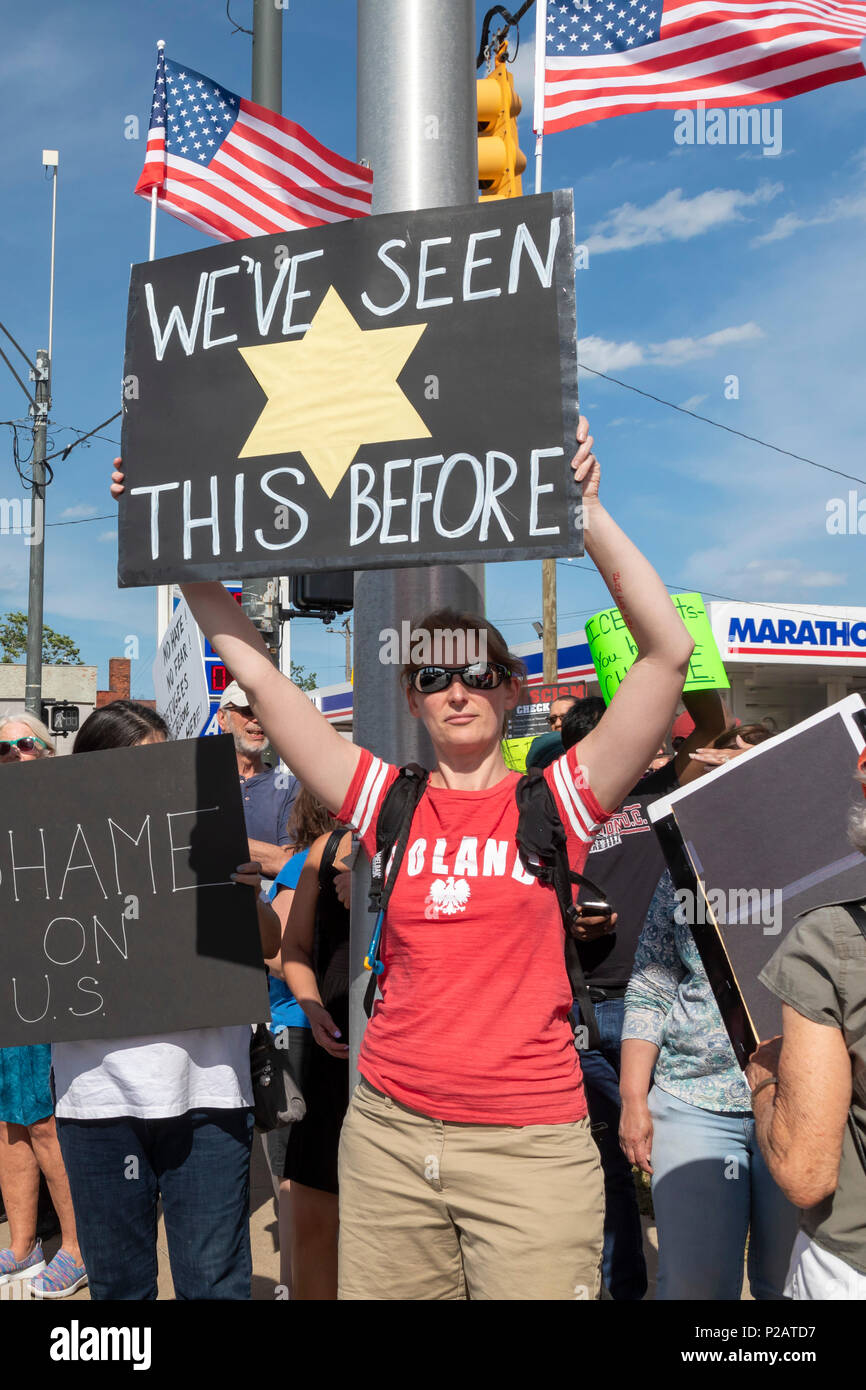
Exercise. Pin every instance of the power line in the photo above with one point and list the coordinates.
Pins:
(5, 330)
(801, 458)
(65, 452)
(689, 588)
(59, 429)
(80, 521)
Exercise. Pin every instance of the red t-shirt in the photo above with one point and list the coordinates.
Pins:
(473, 1021)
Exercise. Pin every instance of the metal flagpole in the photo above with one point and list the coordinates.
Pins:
(164, 592)
(39, 410)
(538, 115)
(549, 637)
(417, 122)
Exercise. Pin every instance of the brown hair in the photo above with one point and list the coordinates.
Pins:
(448, 620)
(857, 819)
(309, 820)
(749, 733)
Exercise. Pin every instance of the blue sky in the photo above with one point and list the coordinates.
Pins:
(705, 262)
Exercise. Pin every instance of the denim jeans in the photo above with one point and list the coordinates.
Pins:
(624, 1267)
(200, 1164)
(711, 1189)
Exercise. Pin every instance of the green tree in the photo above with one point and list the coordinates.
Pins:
(301, 679)
(57, 650)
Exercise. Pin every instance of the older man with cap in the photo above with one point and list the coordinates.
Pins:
(268, 793)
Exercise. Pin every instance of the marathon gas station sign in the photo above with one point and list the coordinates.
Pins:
(773, 633)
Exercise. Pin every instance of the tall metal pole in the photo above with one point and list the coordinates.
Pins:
(39, 411)
(267, 90)
(268, 54)
(33, 678)
(417, 129)
(549, 636)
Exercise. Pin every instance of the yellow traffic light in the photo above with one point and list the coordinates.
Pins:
(500, 159)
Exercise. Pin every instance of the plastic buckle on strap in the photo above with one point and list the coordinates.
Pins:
(371, 961)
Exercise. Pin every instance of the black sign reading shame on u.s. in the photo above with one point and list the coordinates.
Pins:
(117, 914)
(387, 391)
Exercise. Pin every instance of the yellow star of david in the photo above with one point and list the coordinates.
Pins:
(332, 391)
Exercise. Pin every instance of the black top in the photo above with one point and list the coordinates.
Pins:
(331, 942)
(627, 862)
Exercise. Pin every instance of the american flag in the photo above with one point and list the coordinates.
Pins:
(233, 169)
(612, 57)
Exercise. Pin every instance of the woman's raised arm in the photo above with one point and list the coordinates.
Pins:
(619, 749)
(302, 736)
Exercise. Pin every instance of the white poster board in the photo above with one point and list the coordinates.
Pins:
(179, 679)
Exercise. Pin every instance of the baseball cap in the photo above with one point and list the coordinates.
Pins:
(683, 725)
(544, 750)
(233, 695)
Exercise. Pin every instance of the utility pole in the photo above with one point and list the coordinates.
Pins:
(417, 129)
(347, 633)
(260, 598)
(39, 412)
(549, 641)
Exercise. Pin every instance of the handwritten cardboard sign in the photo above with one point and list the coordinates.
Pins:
(386, 391)
(754, 844)
(118, 915)
(613, 649)
(179, 679)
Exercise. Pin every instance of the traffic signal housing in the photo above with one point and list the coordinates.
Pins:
(501, 161)
(321, 595)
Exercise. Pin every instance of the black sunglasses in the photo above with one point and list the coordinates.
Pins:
(479, 676)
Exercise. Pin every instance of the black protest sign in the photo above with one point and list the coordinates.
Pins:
(534, 717)
(118, 915)
(756, 844)
(386, 391)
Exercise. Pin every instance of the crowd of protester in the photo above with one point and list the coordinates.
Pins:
(487, 1150)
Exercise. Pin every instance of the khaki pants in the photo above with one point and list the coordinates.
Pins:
(434, 1210)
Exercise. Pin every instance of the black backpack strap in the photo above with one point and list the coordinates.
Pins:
(392, 834)
(329, 854)
(855, 910)
(543, 848)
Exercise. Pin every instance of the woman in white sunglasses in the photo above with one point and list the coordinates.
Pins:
(28, 1136)
(467, 1167)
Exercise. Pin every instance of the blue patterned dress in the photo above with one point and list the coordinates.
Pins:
(670, 1002)
(25, 1091)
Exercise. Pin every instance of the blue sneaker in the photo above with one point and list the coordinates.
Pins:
(11, 1270)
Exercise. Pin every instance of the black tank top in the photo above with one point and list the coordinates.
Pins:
(331, 943)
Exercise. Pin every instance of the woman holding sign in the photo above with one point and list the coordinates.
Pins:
(467, 1167)
(28, 1136)
(162, 1117)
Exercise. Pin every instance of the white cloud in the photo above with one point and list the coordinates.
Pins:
(108, 536)
(787, 575)
(604, 355)
(692, 403)
(675, 218)
(81, 509)
(839, 210)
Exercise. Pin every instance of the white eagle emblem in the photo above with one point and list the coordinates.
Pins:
(449, 895)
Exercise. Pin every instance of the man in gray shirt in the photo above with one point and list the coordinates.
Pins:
(809, 1091)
